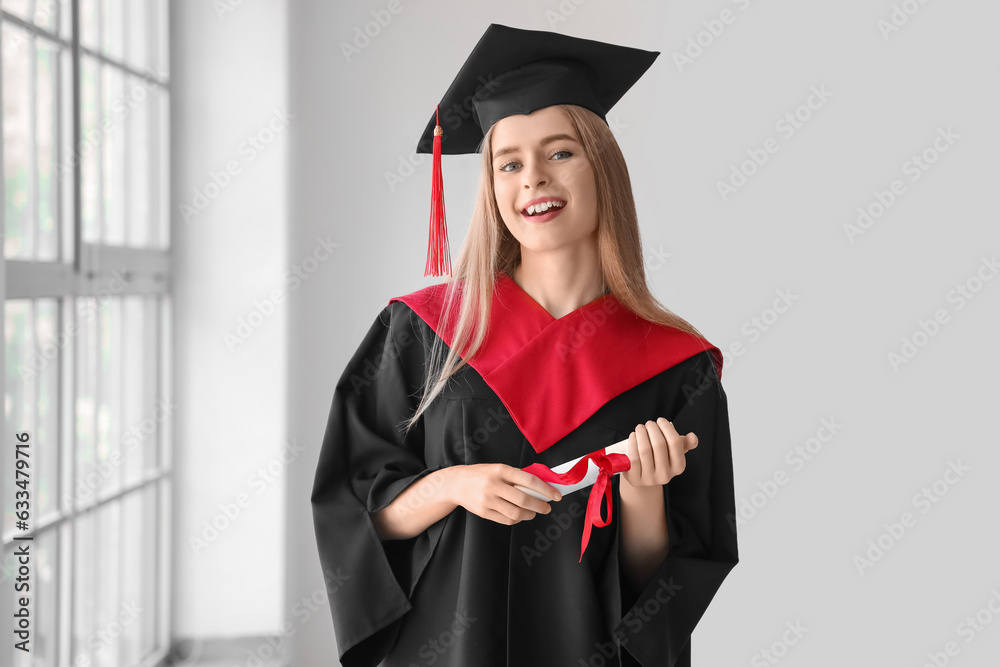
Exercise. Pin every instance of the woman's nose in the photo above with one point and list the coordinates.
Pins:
(534, 175)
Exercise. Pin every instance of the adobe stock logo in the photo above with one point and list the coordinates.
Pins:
(747, 507)
(915, 166)
(432, 650)
(779, 648)
(968, 629)
(924, 500)
(787, 126)
(899, 17)
(363, 36)
(927, 329)
(713, 30)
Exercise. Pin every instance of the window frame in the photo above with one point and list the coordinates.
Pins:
(98, 271)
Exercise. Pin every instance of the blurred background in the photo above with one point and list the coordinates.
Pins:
(206, 204)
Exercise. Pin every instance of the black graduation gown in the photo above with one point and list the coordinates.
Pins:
(470, 592)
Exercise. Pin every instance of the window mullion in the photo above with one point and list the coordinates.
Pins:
(95, 441)
(68, 387)
(78, 261)
(32, 227)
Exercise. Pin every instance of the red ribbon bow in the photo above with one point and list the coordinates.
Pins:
(608, 464)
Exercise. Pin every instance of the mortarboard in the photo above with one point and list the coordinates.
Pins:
(515, 71)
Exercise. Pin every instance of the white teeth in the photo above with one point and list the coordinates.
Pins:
(544, 206)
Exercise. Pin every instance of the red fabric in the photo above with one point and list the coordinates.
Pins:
(553, 374)
(608, 464)
(438, 251)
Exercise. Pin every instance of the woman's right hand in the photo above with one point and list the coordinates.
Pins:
(487, 490)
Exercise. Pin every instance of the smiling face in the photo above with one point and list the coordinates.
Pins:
(539, 162)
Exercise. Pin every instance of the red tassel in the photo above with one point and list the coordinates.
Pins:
(438, 251)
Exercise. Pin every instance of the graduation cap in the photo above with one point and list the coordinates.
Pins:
(514, 71)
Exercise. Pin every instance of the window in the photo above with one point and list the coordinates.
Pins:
(86, 285)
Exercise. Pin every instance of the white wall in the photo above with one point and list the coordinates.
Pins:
(229, 74)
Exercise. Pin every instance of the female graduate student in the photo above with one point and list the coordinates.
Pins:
(545, 346)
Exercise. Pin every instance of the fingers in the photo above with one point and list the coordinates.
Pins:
(526, 479)
(499, 500)
(500, 517)
(648, 441)
(635, 472)
(656, 451)
(679, 445)
(675, 447)
(514, 511)
(690, 441)
(519, 505)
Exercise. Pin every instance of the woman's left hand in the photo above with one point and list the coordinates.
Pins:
(656, 452)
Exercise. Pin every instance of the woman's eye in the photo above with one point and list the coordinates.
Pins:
(504, 166)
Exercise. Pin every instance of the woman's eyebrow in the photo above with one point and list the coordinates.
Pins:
(544, 142)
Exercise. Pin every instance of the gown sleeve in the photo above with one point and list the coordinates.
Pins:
(364, 463)
(657, 621)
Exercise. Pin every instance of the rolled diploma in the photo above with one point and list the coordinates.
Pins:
(620, 447)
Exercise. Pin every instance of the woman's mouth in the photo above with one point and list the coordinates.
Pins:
(543, 212)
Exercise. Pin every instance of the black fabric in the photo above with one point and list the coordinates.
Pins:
(472, 592)
(515, 71)
(535, 86)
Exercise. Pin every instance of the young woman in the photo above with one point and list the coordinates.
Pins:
(545, 346)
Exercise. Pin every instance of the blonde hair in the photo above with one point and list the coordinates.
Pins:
(489, 248)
